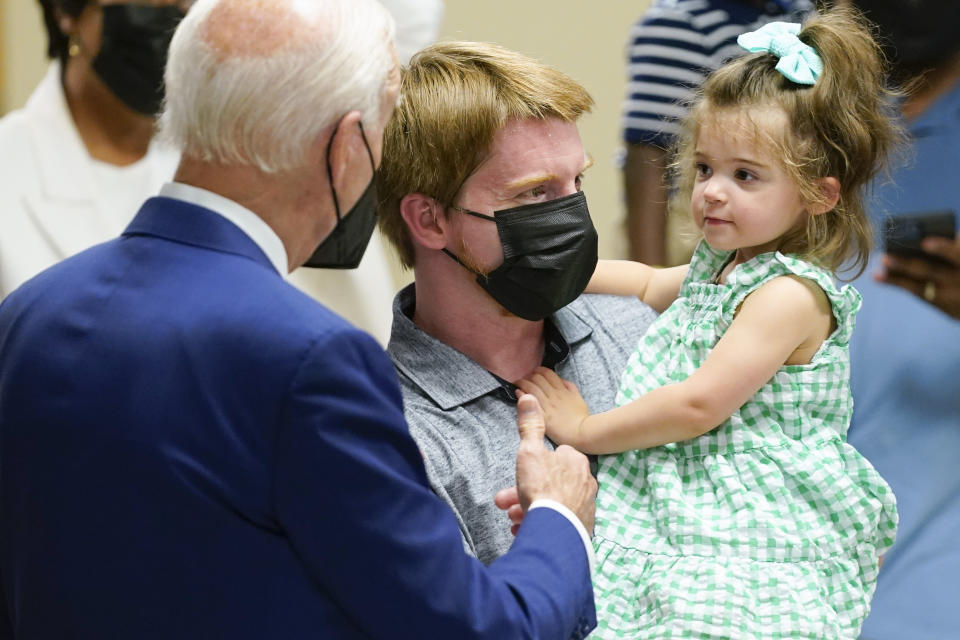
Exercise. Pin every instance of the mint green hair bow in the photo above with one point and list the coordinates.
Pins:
(798, 61)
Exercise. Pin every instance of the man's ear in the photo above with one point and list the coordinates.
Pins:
(425, 219)
(830, 189)
(344, 144)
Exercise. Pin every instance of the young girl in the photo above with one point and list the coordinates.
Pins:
(737, 509)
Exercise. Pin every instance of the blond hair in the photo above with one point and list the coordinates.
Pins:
(454, 98)
(842, 126)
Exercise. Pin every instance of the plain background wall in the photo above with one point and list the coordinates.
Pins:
(586, 40)
(23, 55)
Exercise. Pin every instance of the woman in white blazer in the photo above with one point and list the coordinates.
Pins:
(79, 158)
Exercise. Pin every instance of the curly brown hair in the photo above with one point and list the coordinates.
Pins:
(843, 126)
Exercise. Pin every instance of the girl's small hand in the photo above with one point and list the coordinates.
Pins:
(563, 407)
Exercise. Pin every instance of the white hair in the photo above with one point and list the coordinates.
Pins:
(264, 105)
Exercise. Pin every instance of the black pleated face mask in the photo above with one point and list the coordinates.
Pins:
(346, 244)
(549, 255)
(133, 52)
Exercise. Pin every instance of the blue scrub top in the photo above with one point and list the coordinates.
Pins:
(906, 386)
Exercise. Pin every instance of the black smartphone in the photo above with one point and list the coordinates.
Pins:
(902, 234)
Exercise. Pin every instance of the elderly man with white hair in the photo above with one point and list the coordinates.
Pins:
(192, 448)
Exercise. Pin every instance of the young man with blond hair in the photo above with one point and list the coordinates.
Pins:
(481, 195)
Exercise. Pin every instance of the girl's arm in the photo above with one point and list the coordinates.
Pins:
(656, 287)
(785, 316)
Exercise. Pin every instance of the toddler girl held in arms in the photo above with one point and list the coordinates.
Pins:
(734, 507)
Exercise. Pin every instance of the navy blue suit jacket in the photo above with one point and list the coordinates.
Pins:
(192, 448)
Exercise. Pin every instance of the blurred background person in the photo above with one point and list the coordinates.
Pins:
(673, 46)
(905, 351)
(78, 158)
(923, 44)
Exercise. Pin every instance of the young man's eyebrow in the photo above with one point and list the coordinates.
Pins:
(543, 177)
(532, 180)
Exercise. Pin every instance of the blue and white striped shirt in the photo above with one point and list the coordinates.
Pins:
(675, 45)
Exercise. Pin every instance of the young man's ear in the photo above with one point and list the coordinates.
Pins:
(425, 219)
(830, 189)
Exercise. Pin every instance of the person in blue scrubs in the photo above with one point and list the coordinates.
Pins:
(905, 350)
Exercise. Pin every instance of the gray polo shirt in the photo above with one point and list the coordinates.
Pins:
(465, 419)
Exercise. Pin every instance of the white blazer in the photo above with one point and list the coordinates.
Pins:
(50, 209)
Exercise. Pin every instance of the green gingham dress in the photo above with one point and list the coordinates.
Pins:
(768, 526)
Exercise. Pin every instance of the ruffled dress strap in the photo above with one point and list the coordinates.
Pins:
(751, 275)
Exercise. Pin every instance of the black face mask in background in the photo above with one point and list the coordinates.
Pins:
(549, 255)
(133, 52)
(346, 244)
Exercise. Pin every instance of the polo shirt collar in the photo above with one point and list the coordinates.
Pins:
(447, 376)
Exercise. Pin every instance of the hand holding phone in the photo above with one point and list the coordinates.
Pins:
(903, 234)
(932, 273)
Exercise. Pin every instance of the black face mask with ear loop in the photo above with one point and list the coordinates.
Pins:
(346, 244)
(133, 53)
(549, 255)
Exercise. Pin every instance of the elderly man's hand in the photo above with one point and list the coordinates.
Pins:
(936, 282)
(562, 475)
(509, 501)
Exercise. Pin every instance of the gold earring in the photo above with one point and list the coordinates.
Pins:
(73, 48)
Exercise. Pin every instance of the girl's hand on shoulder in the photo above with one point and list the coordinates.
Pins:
(564, 409)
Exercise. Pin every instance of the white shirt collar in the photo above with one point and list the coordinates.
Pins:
(248, 222)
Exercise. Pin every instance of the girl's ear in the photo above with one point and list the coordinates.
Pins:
(830, 189)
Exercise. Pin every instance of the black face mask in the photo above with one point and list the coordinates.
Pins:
(346, 244)
(133, 52)
(549, 254)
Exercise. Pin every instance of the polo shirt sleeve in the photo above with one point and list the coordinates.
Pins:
(442, 465)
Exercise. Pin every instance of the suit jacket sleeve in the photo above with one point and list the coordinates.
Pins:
(351, 493)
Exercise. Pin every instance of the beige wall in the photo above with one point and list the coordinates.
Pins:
(584, 39)
(23, 54)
